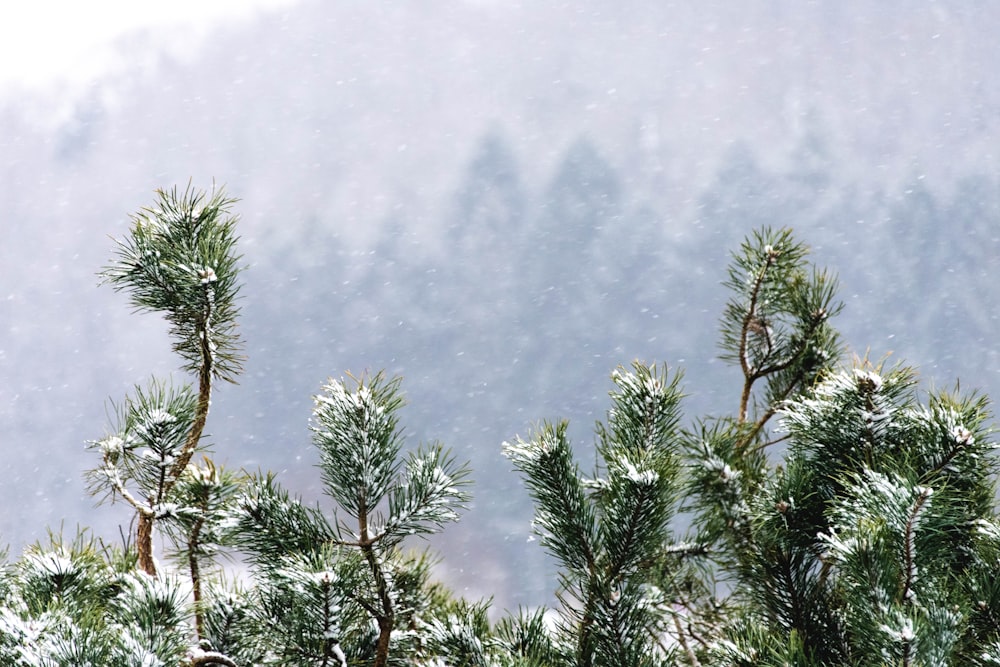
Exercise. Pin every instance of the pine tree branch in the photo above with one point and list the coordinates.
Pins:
(118, 484)
(792, 594)
(909, 543)
(816, 319)
(144, 543)
(195, 569)
(144, 537)
(768, 414)
(789, 387)
(682, 640)
(961, 443)
(770, 443)
(385, 617)
(330, 641)
(749, 319)
(563, 512)
(204, 389)
(169, 263)
(585, 634)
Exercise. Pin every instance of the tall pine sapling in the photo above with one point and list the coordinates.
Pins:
(179, 259)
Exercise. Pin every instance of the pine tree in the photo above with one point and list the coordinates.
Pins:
(872, 544)
(179, 259)
(866, 544)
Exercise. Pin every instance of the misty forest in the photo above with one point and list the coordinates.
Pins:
(398, 335)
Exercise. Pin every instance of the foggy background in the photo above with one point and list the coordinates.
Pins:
(500, 202)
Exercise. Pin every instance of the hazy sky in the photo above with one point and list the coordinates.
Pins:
(58, 43)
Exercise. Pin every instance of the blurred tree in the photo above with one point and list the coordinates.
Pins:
(489, 207)
(560, 286)
(583, 198)
(743, 196)
(973, 220)
(476, 289)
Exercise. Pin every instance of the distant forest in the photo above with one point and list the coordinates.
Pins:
(533, 295)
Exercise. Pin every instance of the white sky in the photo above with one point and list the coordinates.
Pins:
(50, 43)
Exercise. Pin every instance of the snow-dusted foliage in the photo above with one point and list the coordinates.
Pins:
(82, 603)
(859, 548)
(330, 584)
(605, 530)
(870, 536)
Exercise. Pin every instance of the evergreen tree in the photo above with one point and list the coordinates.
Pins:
(582, 199)
(179, 259)
(872, 543)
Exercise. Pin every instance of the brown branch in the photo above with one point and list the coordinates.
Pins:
(770, 443)
(682, 640)
(789, 388)
(204, 391)
(211, 658)
(119, 487)
(144, 531)
(750, 374)
(385, 618)
(195, 568)
(144, 543)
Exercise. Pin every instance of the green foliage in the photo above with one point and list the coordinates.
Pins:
(861, 547)
(871, 538)
(320, 584)
(775, 326)
(81, 603)
(605, 531)
(180, 259)
(271, 523)
(201, 525)
(138, 458)
(775, 329)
